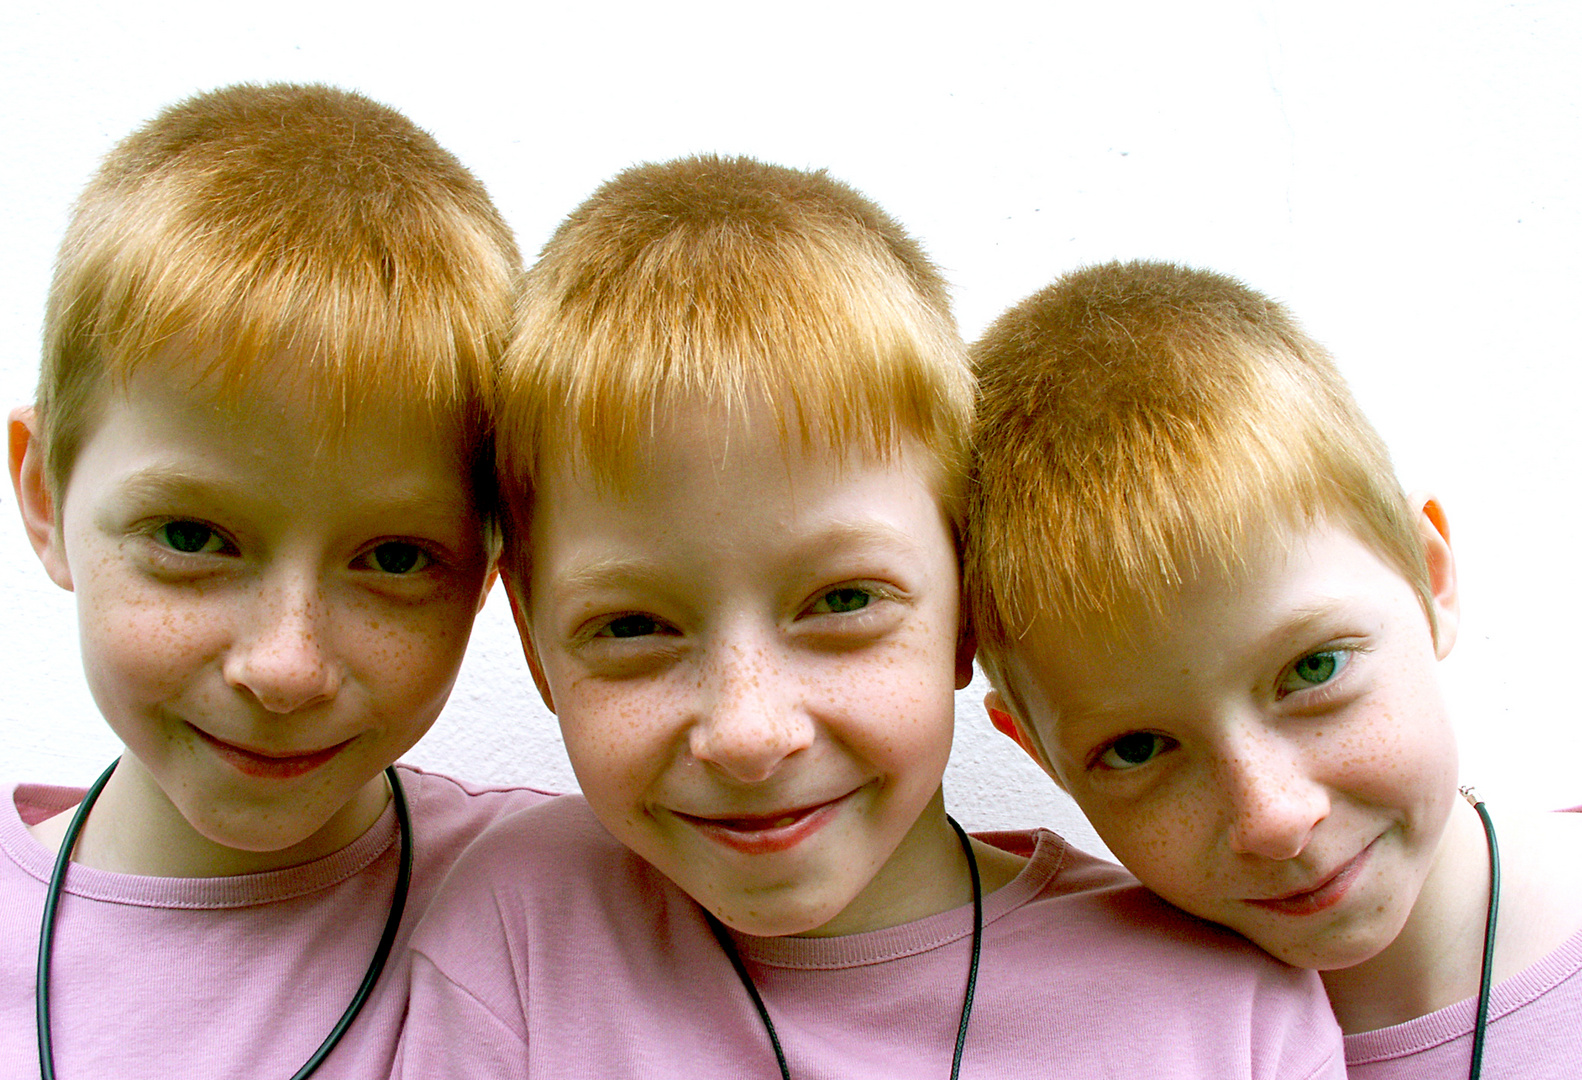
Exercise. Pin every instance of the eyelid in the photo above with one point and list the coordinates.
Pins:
(434, 553)
(592, 629)
(875, 589)
(1095, 759)
(1348, 651)
(153, 527)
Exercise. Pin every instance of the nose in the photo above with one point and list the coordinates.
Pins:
(283, 656)
(750, 714)
(1275, 805)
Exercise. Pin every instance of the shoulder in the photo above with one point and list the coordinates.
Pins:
(437, 788)
(33, 803)
(561, 830)
(547, 890)
(536, 862)
(1087, 927)
(448, 814)
(1090, 911)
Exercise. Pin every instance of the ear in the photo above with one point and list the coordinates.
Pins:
(33, 498)
(1434, 530)
(966, 649)
(1007, 724)
(519, 615)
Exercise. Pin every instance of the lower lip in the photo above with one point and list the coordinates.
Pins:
(1325, 896)
(773, 834)
(266, 767)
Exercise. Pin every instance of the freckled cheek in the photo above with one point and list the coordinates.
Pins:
(139, 638)
(1169, 845)
(1398, 755)
(618, 733)
(895, 703)
(407, 651)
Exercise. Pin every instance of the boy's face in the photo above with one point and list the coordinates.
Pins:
(269, 614)
(753, 654)
(1275, 755)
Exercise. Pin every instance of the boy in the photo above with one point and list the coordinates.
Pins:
(1212, 616)
(255, 459)
(732, 435)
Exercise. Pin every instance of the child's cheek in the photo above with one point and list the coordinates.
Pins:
(143, 640)
(1167, 841)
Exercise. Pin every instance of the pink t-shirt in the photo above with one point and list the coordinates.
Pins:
(1534, 1032)
(554, 952)
(222, 977)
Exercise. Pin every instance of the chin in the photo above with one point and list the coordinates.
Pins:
(776, 920)
(1333, 953)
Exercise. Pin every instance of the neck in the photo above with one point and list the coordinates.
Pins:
(134, 828)
(1436, 958)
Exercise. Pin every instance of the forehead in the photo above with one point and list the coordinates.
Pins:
(155, 437)
(703, 445)
(1290, 589)
(713, 491)
(275, 403)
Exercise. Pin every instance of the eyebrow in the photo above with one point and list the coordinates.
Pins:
(164, 481)
(1302, 620)
(864, 532)
(598, 572)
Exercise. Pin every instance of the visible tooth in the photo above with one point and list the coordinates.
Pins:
(783, 822)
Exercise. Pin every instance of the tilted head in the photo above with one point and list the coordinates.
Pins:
(732, 432)
(1201, 596)
(257, 228)
(739, 284)
(1140, 422)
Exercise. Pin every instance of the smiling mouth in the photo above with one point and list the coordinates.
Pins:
(763, 834)
(268, 765)
(1325, 894)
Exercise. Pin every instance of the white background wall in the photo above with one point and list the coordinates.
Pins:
(1404, 175)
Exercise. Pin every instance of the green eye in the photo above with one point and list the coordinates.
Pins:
(399, 558)
(1314, 669)
(189, 537)
(1134, 749)
(842, 600)
(629, 626)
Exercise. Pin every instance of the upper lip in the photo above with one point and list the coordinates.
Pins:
(1317, 884)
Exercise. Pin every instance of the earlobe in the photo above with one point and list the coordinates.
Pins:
(1434, 530)
(33, 498)
(519, 616)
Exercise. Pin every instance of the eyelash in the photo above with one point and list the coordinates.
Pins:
(604, 628)
(655, 627)
(870, 591)
(1162, 744)
(1343, 658)
(160, 533)
(425, 558)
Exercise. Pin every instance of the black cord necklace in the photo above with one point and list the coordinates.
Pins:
(1486, 980)
(46, 937)
(729, 946)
